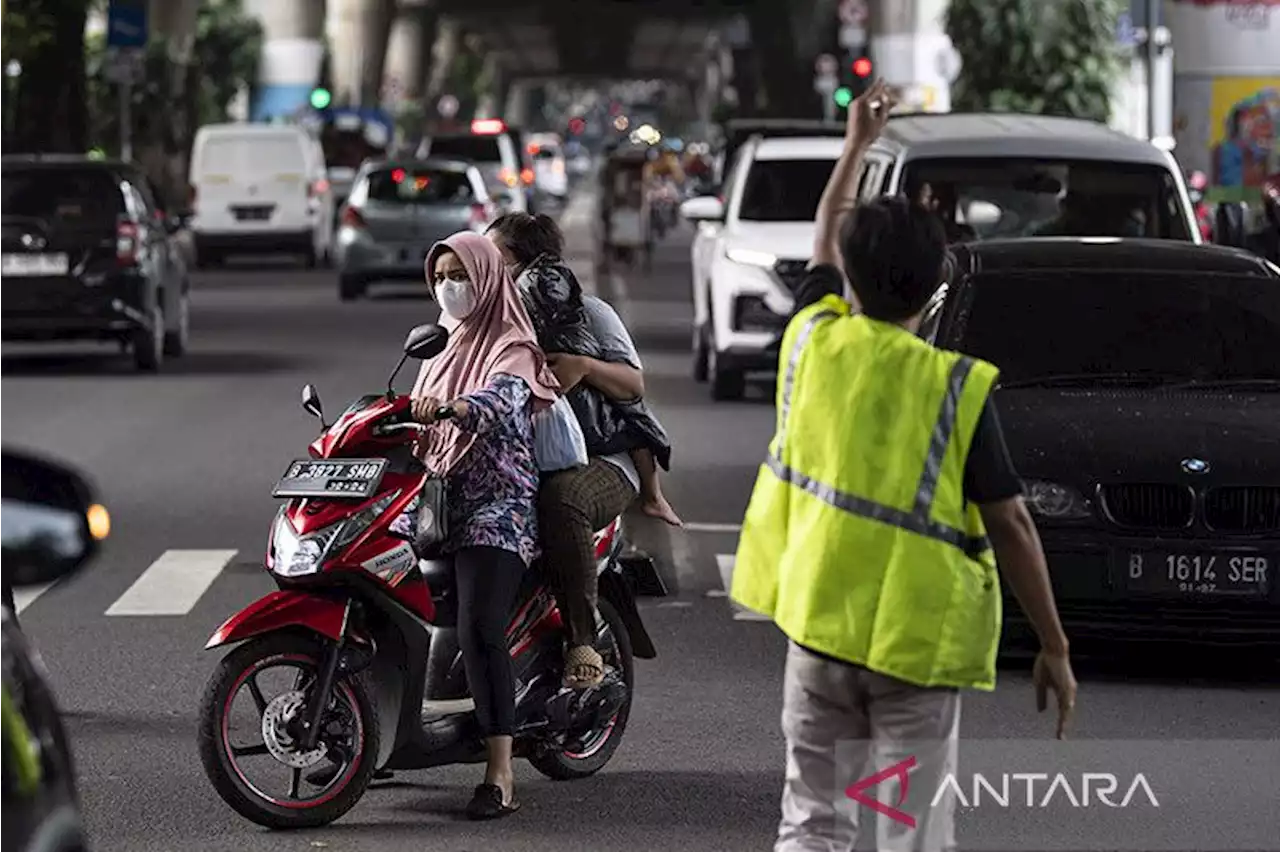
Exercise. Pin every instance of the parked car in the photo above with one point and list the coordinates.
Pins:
(52, 525)
(988, 177)
(497, 151)
(1140, 397)
(89, 254)
(259, 189)
(397, 210)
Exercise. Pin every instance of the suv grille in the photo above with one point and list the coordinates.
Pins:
(791, 272)
(1149, 506)
(1243, 509)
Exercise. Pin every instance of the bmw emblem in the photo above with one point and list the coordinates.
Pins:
(1195, 466)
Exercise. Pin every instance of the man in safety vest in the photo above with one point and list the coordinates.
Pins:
(875, 527)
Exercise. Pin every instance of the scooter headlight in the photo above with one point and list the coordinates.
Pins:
(294, 555)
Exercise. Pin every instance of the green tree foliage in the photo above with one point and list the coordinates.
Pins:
(172, 101)
(1053, 57)
(45, 109)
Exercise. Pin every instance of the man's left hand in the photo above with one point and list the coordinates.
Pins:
(569, 369)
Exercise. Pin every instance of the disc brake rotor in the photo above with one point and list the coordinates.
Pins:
(282, 710)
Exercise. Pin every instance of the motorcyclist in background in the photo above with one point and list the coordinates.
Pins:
(1266, 242)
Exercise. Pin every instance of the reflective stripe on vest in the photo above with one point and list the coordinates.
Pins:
(919, 519)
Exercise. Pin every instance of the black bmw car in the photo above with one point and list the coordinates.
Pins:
(51, 527)
(1140, 397)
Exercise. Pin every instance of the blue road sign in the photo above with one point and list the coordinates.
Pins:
(127, 23)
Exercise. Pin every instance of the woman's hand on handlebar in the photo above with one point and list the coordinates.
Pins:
(429, 410)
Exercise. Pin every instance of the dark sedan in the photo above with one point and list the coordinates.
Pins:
(1140, 396)
(89, 254)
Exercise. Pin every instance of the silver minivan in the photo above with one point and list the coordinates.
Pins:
(1006, 175)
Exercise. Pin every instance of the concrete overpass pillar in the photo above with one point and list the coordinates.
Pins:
(358, 34)
(409, 53)
(495, 95)
(907, 46)
(443, 52)
(292, 53)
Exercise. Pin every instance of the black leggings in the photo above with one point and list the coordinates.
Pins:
(488, 582)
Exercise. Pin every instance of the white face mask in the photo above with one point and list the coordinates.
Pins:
(457, 299)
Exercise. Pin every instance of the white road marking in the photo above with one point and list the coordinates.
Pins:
(724, 562)
(173, 584)
(23, 598)
(696, 527)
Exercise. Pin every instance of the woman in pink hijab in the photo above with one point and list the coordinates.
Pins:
(495, 377)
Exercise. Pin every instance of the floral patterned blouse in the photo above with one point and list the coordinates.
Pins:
(492, 491)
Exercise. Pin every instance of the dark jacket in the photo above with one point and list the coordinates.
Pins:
(553, 298)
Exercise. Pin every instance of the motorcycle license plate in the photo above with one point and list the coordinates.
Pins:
(355, 478)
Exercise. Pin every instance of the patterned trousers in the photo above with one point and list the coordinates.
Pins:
(572, 506)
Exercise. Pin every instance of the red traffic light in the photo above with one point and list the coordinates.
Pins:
(862, 67)
(577, 125)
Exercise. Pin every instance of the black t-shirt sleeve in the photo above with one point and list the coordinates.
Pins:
(989, 475)
(822, 280)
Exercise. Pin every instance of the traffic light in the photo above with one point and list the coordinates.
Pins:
(843, 96)
(576, 126)
(862, 67)
(320, 98)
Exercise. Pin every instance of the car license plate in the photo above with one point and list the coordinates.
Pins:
(1224, 574)
(357, 478)
(34, 265)
(252, 214)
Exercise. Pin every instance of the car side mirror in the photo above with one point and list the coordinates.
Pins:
(705, 208)
(311, 402)
(425, 341)
(52, 522)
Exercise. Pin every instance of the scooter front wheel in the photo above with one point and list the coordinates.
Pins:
(348, 741)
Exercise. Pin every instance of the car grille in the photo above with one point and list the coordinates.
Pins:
(791, 272)
(1149, 506)
(1243, 509)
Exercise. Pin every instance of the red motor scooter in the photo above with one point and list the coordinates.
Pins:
(362, 626)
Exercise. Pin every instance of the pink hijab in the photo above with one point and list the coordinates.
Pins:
(497, 337)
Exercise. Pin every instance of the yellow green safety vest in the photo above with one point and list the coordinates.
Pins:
(858, 541)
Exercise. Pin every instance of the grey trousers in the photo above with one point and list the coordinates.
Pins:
(844, 723)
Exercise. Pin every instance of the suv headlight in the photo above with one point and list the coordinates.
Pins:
(294, 555)
(1056, 501)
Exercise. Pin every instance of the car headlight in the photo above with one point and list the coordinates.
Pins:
(294, 555)
(1056, 501)
(751, 257)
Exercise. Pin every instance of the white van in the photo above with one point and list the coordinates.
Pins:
(259, 189)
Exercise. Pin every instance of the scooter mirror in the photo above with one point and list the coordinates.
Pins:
(52, 521)
(311, 402)
(425, 342)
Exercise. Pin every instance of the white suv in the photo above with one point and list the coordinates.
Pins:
(752, 246)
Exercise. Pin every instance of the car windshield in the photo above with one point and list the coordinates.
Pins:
(994, 198)
(400, 185)
(480, 149)
(1180, 327)
(784, 190)
(66, 196)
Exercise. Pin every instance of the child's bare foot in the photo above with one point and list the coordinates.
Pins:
(658, 507)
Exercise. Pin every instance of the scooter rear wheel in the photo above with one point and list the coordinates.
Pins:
(586, 759)
(349, 737)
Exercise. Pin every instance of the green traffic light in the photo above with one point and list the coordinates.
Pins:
(843, 96)
(320, 98)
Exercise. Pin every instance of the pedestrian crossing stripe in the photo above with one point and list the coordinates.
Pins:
(724, 563)
(173, 584)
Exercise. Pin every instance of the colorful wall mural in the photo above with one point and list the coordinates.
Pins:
(1227, 92)
(1244, 147)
